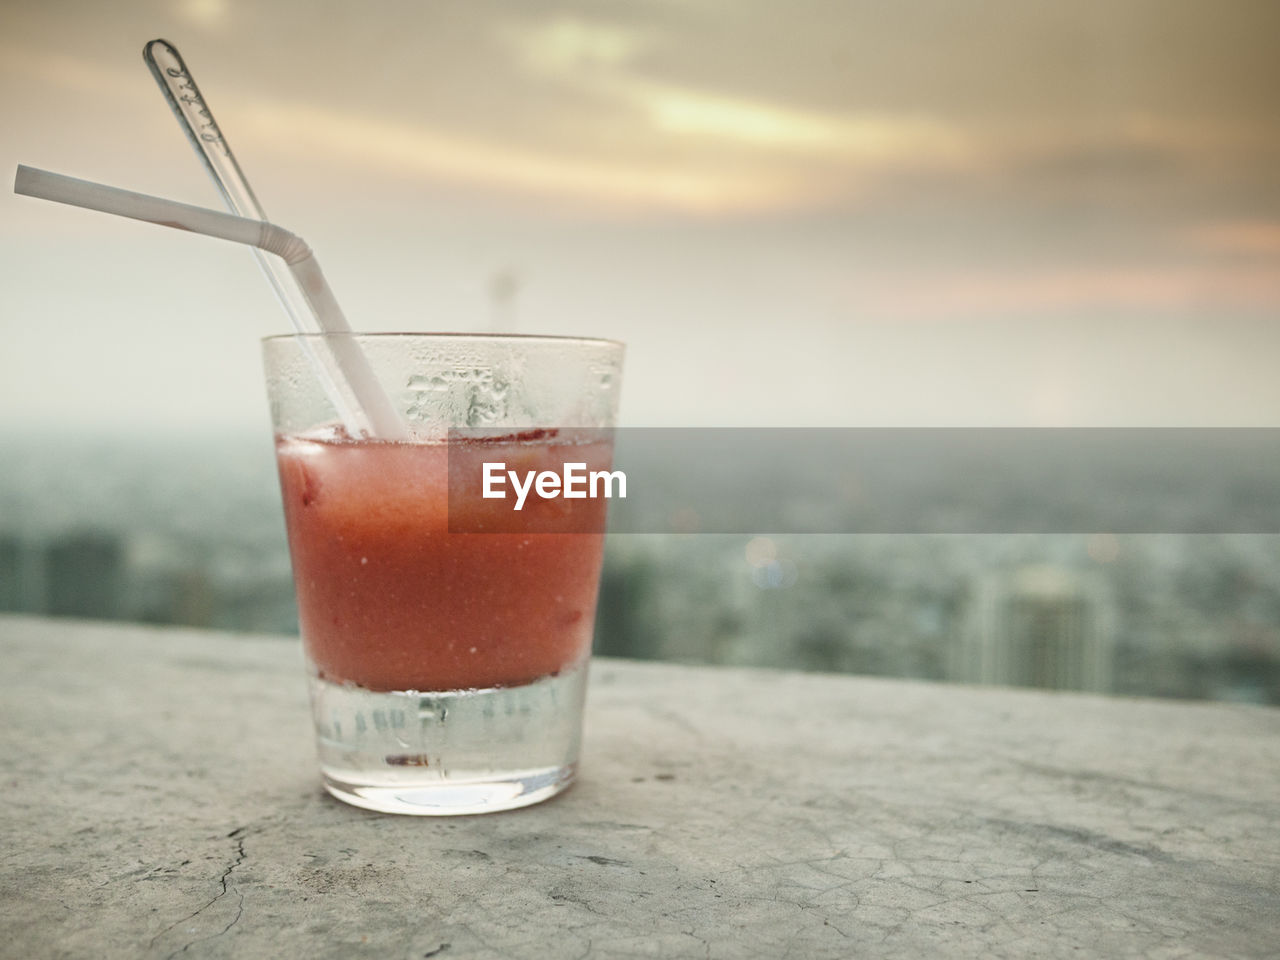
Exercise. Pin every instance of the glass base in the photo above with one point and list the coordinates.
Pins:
(455, 797)
(451, 752)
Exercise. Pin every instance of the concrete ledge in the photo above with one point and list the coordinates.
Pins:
(161, 800)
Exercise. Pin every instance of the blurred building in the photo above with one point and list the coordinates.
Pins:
(1038, 625)
(84, 573)
(21, 575)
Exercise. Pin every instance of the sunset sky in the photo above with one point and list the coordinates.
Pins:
(802, 213)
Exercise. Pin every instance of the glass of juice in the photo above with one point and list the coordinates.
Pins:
(447, 655)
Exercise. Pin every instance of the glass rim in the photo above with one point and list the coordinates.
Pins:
(444, 335)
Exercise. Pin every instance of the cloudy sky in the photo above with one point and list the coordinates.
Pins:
(918, 212)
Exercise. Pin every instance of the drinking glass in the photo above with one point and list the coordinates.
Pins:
(447, 669)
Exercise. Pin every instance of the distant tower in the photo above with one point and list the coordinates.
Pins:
(1038, 626)
(504, 288)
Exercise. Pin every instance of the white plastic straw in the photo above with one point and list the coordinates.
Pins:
(196, 119)
(372, 399)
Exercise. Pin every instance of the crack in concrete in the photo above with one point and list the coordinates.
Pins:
(222, 882)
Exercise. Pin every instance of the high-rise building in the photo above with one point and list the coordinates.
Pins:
(1037, 626)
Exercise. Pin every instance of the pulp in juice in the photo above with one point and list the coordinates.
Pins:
(389, 599)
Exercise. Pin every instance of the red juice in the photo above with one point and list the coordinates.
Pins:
(389, 599)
